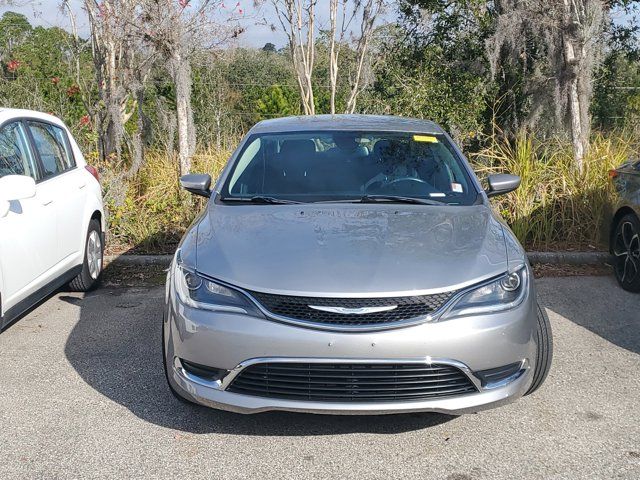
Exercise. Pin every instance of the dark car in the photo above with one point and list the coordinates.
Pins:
(625, 228)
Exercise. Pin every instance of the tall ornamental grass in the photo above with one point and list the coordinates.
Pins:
(148, 211)
(555, 206)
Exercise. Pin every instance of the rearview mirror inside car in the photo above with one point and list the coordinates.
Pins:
(501, 183)
(197, 183)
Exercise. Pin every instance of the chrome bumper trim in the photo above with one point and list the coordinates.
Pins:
(224, 383)
(211, 394)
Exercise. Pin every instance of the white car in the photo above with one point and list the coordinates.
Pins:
(51, 212)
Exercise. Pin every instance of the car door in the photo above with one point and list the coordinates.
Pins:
(28, 245)
(64, 184)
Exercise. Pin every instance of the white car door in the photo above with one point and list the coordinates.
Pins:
(64, 184)
(28, 244)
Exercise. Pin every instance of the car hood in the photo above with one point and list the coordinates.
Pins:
(349, 249)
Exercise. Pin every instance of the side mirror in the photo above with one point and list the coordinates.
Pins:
(502, 183)
(17, 187)
(197, 183)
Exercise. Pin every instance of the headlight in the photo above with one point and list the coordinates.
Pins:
(198, 292)
(501, 294)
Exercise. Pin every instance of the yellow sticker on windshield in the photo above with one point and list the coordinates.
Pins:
(425, 138)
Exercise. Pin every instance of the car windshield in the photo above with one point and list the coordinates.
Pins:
(339, 166)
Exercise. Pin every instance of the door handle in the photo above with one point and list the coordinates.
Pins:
(47, 201)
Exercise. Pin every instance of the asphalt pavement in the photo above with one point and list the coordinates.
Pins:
(83, 395)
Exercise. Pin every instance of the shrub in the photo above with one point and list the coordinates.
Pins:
(555, 207)
(148, 211)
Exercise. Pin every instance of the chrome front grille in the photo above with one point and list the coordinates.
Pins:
(342, 311)
(351, 382)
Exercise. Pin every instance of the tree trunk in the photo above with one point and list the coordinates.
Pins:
(575, 68)
(577, 128)
(181, 71)
(138, 137)
(370, 11)
(333, 53)
(296, 16)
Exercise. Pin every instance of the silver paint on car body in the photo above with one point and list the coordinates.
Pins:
(349, 251)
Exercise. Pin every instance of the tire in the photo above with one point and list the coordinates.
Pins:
(625, 246)
(544, 354)
(93, 260)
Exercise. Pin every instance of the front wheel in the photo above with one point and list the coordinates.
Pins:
(93, 259)
(626, 253)
(544, 342)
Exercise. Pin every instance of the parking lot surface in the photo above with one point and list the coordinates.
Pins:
(83, 395)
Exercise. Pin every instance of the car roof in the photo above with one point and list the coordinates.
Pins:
(383, 123)
(9, 113)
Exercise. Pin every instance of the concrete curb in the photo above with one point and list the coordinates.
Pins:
(565, 258)
(570, 258)
(143, 260)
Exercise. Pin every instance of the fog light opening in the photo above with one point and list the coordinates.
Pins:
(210, 374)
(500, 376)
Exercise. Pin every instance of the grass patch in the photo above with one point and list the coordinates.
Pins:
(148, 212)
(555, 207)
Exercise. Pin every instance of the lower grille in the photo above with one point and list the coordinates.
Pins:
(403, 308)
(345, 382)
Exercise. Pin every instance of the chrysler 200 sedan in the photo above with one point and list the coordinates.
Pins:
(351, 265)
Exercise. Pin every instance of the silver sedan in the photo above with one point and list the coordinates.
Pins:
(352, 265)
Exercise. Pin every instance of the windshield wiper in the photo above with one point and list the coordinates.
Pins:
(399, 199)
(260, 199)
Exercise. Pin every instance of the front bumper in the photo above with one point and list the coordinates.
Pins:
(232, 342)
(212, 394)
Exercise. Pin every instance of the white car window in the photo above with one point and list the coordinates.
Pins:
(52, 148)
(15, 156)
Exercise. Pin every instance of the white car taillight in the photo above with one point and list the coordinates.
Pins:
(93, 171)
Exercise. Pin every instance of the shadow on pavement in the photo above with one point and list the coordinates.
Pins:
(116, 348)
(599, 305)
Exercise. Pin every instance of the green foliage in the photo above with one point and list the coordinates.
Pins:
(14, 28)
(430, 88)
(617, 93)
(234, 89)
(437, 72)
(274, 104)
(38, 72)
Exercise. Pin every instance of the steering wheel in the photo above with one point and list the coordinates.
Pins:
(406, 179)
(412, 186)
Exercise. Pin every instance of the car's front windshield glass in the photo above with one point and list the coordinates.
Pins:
(347, 166)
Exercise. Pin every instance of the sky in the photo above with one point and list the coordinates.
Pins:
(48, 13)
(257, 23)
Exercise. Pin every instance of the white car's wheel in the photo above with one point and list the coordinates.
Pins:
(93, 260)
